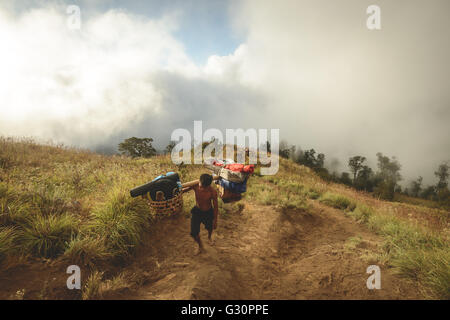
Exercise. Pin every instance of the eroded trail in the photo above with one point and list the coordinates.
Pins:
(263, 253)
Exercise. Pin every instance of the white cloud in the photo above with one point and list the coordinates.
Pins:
(337, 87)
(82, 87)
(310, 68)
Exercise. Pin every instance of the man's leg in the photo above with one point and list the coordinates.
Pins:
(209, 224)
(200, 244)
(195, 229)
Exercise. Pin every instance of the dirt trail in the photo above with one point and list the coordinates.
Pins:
(263, 253)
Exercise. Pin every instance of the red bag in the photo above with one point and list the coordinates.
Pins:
(239, 167)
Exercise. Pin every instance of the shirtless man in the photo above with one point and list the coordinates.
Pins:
(204, 212)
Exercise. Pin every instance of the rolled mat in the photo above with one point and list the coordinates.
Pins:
(233, 176)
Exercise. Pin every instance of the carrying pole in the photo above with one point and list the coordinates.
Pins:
(195, 182)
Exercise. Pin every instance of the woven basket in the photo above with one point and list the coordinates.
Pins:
(169, 207)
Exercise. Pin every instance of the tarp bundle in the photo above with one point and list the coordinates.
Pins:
(233, 180)
(233, 186)
(169, 184)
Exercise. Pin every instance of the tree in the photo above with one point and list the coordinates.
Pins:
(324, 174)
(443, 196)
(320, 160)
(442, 173)
(285, 150)
(388, 176)
(385, 189)
(389, 169)
(268, 147)
(442, 191)
(345, 179)
(137, 147)
(429, 193)
(292, 151)
(309, 159)
(170, 147)
(416, 187)
(364, 179)
(356, 164)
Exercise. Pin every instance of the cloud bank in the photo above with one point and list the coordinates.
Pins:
(121, 74)
(310, 68)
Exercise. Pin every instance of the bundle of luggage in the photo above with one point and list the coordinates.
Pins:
(163, 187)
(233, 179)
(163, 194)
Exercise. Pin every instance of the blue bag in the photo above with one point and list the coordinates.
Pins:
(233, 186)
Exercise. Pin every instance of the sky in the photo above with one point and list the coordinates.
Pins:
(309, 68)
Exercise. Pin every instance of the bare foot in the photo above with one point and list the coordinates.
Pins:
(211, 241)
(199, 251)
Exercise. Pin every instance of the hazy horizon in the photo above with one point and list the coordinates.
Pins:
(309, 68)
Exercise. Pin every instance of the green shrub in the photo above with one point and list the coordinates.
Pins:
(122, 221)
(415, 253)
(291, 186)
(313, 193)
(362, 213)
(7, 242)
(92, 287)
(293, 203)
(263, 194)
(385, 190)
(13, 210)
(402, 235)
(430, 267)
(98, 288)
(337, 201)
(87, 250)
(49, 200)
(48, 236)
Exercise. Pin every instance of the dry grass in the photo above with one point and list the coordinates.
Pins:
(55, 201)
(74, 204)
(416, 237)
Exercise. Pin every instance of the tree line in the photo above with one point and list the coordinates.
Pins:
(382, 182)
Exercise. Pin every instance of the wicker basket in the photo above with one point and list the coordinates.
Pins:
(169, 207)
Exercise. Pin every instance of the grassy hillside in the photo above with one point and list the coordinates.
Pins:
(71, 206)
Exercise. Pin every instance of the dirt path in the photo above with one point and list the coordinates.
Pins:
(262, 253)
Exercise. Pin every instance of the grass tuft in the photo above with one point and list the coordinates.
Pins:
(362, 213)
(92, 288)
(416, 253)
(48, 236)
(122, 221)
(87, 250)
(337, 201)
(8, 244)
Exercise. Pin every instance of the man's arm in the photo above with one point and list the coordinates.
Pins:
(186, 189)
(216, 208)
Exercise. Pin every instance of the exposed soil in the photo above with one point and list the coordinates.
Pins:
(259, 253)
(263, 253)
